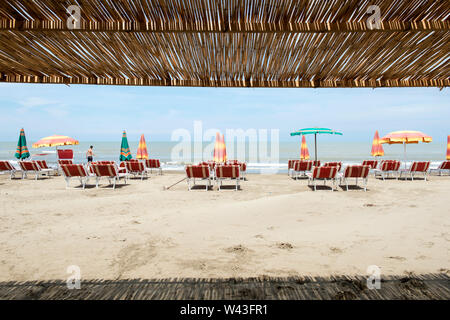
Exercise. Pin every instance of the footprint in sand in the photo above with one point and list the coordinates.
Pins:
(285, 245)
(259, 236)
(336, 250)
(237, 249)
(397, 258)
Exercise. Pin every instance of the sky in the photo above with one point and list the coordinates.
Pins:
(100, 113)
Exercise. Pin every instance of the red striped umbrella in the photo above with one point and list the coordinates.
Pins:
(220, 151)
(55, 141)
(304, 153)
(377, 148)
(448, 148)
(142, 149)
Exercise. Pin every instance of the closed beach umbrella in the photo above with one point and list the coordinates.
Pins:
(448, 148)
(406, 137)
(220, 152)
(304, 153)
(315, 132)
(55, 141)
(125, 153)
(142, 149)
(377, 148)
(22, 150)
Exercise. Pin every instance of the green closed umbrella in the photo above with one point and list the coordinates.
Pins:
(315, 132)
(125, 153)
(22, 150)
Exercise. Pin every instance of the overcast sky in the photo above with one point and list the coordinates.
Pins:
(100, 113)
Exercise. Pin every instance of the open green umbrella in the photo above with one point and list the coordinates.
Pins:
(125, 153)
(315, 132)
(22, 150)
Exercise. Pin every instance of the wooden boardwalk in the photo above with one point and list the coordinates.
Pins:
(429, 286)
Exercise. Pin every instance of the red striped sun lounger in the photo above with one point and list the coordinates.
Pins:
(75, 171)
(43, 165)
(443, 167)
(136, 168)
(6, 166)
(356, 172)
(387, 167)
(417, 166)
(227, 172)
(199, 172)
(301, 167)
(108, 171)
(151, 164)
(338, 165)
(324, 174)
(66, 161)
(371, 163)
(33, 167)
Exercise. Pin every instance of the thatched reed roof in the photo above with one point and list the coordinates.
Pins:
(227, 43)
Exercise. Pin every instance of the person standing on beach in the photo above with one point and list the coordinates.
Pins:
(90, 154)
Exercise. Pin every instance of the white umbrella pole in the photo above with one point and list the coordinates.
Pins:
(404, 153)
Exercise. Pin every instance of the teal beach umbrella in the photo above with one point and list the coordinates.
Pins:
(125, 153)
(315, 132)
(22, 150)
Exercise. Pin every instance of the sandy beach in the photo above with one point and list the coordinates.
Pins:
(273, 226)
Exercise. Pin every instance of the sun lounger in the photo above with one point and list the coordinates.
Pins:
(291, 166)
(316, 163)
(356, 172)
(66, 161)
(6, 166)
(301, 167)
(324, 174)
(242, 167)
(338, 165)
(443, 167)
(387, 167)
(135, 168)
(43, 165)
(109, 171)
(33, 167)
(151, 164)
(227, 172)
(417, 166)
(199, 172)
(371, 163)
(65, 154)
(75, 171)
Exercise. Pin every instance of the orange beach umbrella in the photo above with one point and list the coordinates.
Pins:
(55, 141)
(304, 153)
(142, 149)
(220, 151)
(406, 137)
(448, 148)
(377, 148)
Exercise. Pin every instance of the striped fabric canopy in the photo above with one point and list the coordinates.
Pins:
(125, 153)
(220, 151)
(142, 152)
(304, 153)
(315, 131)
(406, 137)
(377, 148)
(22, 150)
(55, 141)
(448, 148)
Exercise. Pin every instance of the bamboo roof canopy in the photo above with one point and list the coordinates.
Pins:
(226, 43)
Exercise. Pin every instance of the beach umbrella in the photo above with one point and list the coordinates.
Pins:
(304, 153)
(125, 153)
(55, 141)
(22, 150)
(220, 151)
(406, 137)
(142, 149)
(448, 148)
(377, 148)
(315, 132)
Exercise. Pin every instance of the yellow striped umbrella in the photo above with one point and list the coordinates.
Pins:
(406, 137)
(55, 141)
(377, 148)
(448, 148)
(304, 153)
(142, 149)
(220, 151)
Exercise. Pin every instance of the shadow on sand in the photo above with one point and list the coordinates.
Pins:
(428, 286)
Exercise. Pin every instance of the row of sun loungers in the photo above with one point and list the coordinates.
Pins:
(330, 171)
